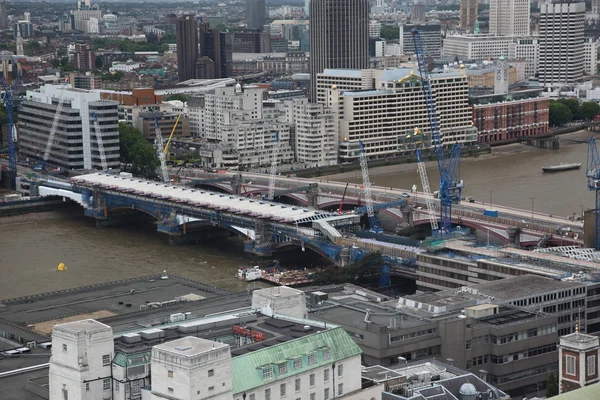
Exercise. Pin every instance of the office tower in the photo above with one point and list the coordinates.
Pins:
(339, 36)
(417, 12)
(431, 36)
(215, 53)
(187, 47)
(85, 58)
(3, 23)
(509, 17)
(561, 42)
(255, 14)
(468, 14)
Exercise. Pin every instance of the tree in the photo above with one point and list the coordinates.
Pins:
(99, 62)
(588, 110)
(552, 385)
(560, 114)
(55, 62)
(573, 106)
(176, 96)
(389, 32)
(136, 151)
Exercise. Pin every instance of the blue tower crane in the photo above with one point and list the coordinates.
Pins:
(593, 175)
(450, 185)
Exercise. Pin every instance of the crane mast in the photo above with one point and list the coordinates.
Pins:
(450, 186)
(9, 99)
(364, 169)
(158, 143)
(426, 189)
(273, 170)
(593, 175)
(100, 141)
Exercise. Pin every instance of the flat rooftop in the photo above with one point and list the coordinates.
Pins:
(31, 318)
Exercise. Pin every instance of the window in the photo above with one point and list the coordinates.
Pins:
(282, 390)
(340, 369)
(135, 386)
(267, 373)
(64, 347)
(311, 380)
(65, 394)
(106, 384)
(252, 397)
(170, 374)
(571, 367)
(267, 394)
(170, 390)
(297, 385)
(325, 375)
(211, 388)
(591, 365)
(211, 372)
(313, 396)
(312, 359)
(106, 359)
(326, 355)
(340, 389)
(117, 386)
(297, 363)
(283, 368)
(87, 386)
(326, 394)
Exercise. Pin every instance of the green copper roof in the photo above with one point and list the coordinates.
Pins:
(128, 360)
(591, 392)
(325, 347)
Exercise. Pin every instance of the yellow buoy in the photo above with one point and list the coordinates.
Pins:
(61, 267)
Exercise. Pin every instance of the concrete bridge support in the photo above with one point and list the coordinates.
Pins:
(313, 196)
(204, 234)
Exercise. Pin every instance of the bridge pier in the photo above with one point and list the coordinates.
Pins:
(313, 196)
(205, 235)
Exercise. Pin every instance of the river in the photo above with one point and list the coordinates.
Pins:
(31, 246)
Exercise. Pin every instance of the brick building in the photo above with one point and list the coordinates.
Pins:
(578, 361)
(505, 118)
(136, 97)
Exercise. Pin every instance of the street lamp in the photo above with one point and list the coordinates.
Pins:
(491, 200)
(532, 200)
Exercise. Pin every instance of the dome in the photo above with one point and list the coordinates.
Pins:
(467, 389)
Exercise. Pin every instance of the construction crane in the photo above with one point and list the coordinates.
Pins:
(427, 191)
(593, 175)
(273, 171)
(158, 142)
(450, 186)
(100, 143)
(340, 209)
(171, 135)
(364, 168)
(10, 92)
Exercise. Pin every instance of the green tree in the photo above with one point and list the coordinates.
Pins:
(572, 104)
(389, 32)
(560, 114)
(55, 62)
(552, 385)
(588, 110)
(99, 62)
(136, 151)
(176, 96)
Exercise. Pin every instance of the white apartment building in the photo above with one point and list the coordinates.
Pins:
(236, 117)
(374, 29)
(509, 17)
(383, 117)
(527, 49)
(316, 132)
(128, 66)
(476, 47)
(561, 42)
(82, 20)
(75, 143)
(590, 59)
(301, 358)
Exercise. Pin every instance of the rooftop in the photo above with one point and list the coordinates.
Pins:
(86, 325)
(189, 346)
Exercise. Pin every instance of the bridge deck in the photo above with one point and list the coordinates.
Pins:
(201, 198)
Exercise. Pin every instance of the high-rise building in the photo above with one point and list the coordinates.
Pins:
(590, 53)
(374, 29)
(255, 14)
(431, 36)
(417, 12)
(561, 42)
(187, 47)
(509, 18)
(75, 145)
(85, 58)
(339, 36)
(215, 53)
(468, 14)
(25, 28)
(3, 22)
(251, 42)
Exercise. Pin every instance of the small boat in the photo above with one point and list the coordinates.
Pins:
(561, 167)
(249, 274)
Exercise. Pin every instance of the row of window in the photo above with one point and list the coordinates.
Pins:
(523, 335)
(311, 383)
(412, 335)
(311, 359)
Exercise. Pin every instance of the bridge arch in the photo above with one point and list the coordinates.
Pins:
(305, 245)
(468, 224)
(53, 192)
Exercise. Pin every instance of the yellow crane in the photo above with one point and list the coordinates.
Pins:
(171, 135)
